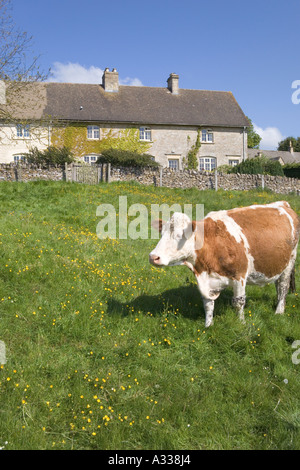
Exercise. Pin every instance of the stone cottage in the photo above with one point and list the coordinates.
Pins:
(166, 122)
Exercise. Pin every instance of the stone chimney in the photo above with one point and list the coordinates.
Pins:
(291, 150)
(110, 80)
(173, 83)
(2, 92)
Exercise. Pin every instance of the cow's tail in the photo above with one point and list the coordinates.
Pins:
(292, 281)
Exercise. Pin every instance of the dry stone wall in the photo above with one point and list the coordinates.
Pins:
(157, 177)
(205, 180)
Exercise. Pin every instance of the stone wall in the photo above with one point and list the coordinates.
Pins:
(205, 180)
(11, 172)
(157, 177)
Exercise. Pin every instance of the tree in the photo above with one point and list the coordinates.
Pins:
(15, 72)
(284, 145)
(253, 138)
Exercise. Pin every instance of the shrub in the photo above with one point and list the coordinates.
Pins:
(50, 156)
(224, 169)
(292, 170)
(259, 166)
(127, 158)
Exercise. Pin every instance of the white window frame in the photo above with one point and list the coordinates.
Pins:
(207, 136)
(207, 163)
(90, 159)
(145, 134)
(232, 161)
(173, 160)
(93, 132)
(19, 158)
(23, 131)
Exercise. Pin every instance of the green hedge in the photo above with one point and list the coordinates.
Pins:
(50, 156)
(127, 158)
(292, 170)
(259, 166)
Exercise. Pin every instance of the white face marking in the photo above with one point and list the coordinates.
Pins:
(177, 243)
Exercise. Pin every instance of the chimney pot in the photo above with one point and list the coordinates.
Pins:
(110, 80)
(173, 83)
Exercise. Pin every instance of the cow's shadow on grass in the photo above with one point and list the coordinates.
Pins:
(185, 300)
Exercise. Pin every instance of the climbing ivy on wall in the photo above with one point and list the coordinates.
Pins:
(191, 161)
(74, 137)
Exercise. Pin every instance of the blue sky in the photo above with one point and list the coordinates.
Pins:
(249, 48)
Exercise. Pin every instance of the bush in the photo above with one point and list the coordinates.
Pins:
(51, 156)
(127, 158)
(224, 169)
(292, 170)
(259, 166)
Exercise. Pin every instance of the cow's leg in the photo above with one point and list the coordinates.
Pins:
(239, 298)
(282, 287)
(209, 311)
(283, 284)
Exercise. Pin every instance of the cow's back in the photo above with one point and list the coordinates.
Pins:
(271, 232)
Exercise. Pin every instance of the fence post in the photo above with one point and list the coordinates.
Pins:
(65, 172)
(263, 181)
(108, 173)
(160, 176)
(216, 180)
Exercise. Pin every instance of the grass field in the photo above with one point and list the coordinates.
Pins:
(105, 351)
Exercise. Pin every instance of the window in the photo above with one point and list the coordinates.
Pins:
(145, 133)
(18, 158)
(206, 136)
(93, 132)
(90, 159)
(207, 163)
(233, 161)
(23, 131)
(173, 163)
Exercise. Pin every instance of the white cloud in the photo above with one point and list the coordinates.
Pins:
(130, 81)
(271, 136)
(76, 73)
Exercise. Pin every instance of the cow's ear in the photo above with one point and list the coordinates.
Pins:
(191, 227)
(157, 224)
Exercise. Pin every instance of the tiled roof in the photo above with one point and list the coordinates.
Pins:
(131, 104)
(285, 156)
(147, 105)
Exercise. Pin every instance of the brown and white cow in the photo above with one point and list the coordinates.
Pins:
(254, 245)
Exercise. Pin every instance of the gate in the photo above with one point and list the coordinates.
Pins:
(89, 174)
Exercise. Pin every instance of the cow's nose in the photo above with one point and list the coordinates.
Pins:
(154, 259)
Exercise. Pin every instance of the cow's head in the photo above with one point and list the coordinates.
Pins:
(177, 243)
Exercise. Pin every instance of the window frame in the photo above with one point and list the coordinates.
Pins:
(19, 158)
(90, 159)
(23, 131)
(93, 129)
(204, 163)
(173, 160)
(145, 134)
(232, 159)
(206, 140)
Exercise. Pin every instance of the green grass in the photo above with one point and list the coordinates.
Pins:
(105, 351)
